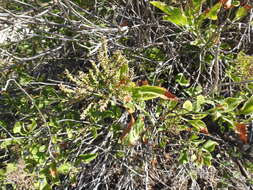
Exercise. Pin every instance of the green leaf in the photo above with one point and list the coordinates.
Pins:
(183, 158)
(247, 107)
(235, 3)
(207, 159)
(210, 145)
(3, 124)
(180, 79)
(169, 104)
(130, 107)
(229, 121)
(213, 12)
(240, 13)
(194, 137)
(69, 133)
(200, 100)
(192, 91)
(147, 92)
(2, 173)
(174, 14)
(124, 72)
(17, 127)
(188, 105)
(199, 116)
(43, 185)
(197, 4)
(64, 168)
(177, 19)
(136, 130)
(87, 158)
(32, 126)
(162, 6)
(10, 167)
(197, 142)
(42, 148)
(25, 79)
(231, 104)
(198, 124)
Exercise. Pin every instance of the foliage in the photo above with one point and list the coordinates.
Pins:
(101, 94)
(193, 17)
(243, 67)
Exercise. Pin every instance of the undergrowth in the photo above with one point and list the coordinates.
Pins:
(153, 103)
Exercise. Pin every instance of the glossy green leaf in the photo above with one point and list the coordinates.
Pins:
(247, 107)
(198, 124)
(197, 4)
(177, 19)
(87, 158)
(197, 142)
(17, 127)
(235, 3)
(213, 12)
(42, 148)
(188, 105)
(124, 72)
(207, 159)
(231, 104)
(194, 137)
(200, 101)
(210, 145)
(240, 13)
(229, 121)
(69, 133)
(174, 14)
(147, 92)
(162, 6)
(64, 168)
(199, 116)
(183, 158)
(130, 107)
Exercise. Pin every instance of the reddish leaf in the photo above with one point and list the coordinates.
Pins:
(171, 96)
(53, 172)
(154, 163)
(124, 23)
(128, 128)
(241, 129)
(121, 83)
(248, 7)
(142, 82)
(204, 130)
(127, 98)
(206, 11)
(220, 107)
